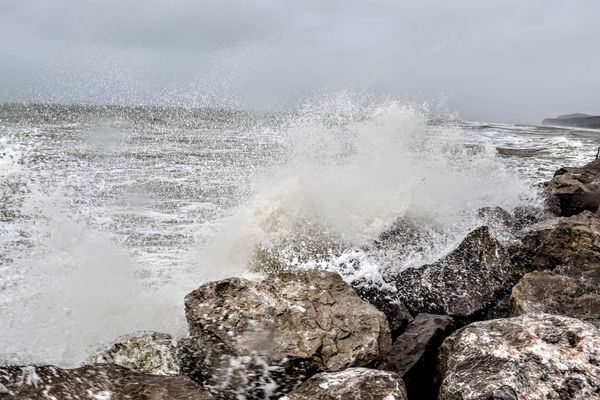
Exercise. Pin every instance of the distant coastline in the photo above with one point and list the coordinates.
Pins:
(585, 121)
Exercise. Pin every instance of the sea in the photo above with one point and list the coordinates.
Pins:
(109, 215)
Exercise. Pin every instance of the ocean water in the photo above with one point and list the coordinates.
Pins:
(110, 215)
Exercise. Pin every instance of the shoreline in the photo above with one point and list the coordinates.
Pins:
(305, 334)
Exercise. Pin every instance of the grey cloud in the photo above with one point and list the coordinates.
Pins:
(505, 60)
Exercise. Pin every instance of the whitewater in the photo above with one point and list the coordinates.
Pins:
(110, 215)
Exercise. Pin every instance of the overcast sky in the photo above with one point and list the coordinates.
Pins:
(493, 60)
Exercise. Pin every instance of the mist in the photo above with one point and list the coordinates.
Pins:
(504, 61)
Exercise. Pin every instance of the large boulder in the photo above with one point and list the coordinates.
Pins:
(533, 356)
(568, 290)
(559, 241)
(102, 381)
(463, 284)
(148, 352)
(574, 190)
(255, 339)
(353, 383)
(413, 355)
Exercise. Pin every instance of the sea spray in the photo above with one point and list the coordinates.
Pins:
(349, 171)
(111, 215)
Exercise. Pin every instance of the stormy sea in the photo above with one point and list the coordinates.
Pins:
(110, 215)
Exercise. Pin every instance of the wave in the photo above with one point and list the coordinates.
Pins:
(349, 171)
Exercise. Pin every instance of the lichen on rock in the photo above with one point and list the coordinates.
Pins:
(148, 352)
(533, 356)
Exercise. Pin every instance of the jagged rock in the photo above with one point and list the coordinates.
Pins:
(387, 302)
(413, 355)
(100, 382)
(566, 290)
(247, 335)
(575, 190)
(464, 283)
(496, 216)
(533, 356)
(147, 352)
(353, 383)
(524, 216)
(558, 241)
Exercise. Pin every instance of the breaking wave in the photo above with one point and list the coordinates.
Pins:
(349, 172)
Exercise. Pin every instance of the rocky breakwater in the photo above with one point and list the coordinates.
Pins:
(574, 190)
(510, 314)
(262, 339)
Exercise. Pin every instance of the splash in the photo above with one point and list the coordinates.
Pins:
(348, 172)
(66, 287)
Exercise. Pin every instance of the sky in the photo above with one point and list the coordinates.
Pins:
(493, 60)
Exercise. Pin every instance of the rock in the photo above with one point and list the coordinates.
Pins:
(247, 335)
(496, 216)
(395, 311)
(533, 356)
(147, 352)
(524, 216)
(413, 355)
(562, 291)
(462, 284)
(558, 241)
(353, 383)
(575, 190)
(100, 382)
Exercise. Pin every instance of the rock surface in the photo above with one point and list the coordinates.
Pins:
(413, 355)
(280, 330)
(396, 312)
(99, 382)
(570, 291)
(538, 356)
(464, 283)
(574, 190)
(559, 241)
(524, 216)
(147, 352)
(353, 383)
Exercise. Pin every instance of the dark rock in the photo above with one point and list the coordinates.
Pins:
(496, 216)
(558, 241)
(102, 381)
(413, 355)
(572, 294)
(464, 283)
(353, 383)
(388, 303)
(524, 216)
(533, 356)
(247, 335)
(575, 190)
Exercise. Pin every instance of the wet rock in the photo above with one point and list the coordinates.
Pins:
(147, 352)
(413, 355)
(388, 303)
(353, 383)
(558, 241)
(524, 216)
(575, 190)
(567, 291)
(496, 216)
(533, 356)
(102, 381)
(464, 283)
(272, 334)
